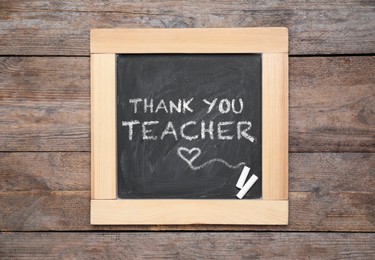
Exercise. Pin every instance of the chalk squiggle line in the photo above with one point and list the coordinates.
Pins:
(195, 152)
(216, 160)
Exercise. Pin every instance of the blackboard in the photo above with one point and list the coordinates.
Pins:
(157, 94)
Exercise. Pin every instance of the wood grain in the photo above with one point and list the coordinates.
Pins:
(44, 104)
(45, 171)
(62, 28)
(328, 192)
(70, 171)
(332, 108)
(103, 125)
(318, 210)
(187, 40)
(46, 108)
(275, 126)
(187, 245)
(188, 212)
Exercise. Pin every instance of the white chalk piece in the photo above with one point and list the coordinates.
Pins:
(247, 186)
(243, 176)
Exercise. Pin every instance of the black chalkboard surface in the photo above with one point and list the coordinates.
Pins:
(187, 124)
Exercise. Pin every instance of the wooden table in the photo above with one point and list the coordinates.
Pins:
(45, 131)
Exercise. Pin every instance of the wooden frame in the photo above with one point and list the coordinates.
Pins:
(272, 209)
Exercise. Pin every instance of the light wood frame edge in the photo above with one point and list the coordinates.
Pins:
(275, 126)
(189, 40)
(103, 126)
(275, 141)
(183, 212)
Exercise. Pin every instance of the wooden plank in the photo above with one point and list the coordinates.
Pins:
(275, 126)
(44, 104)
(45, 108)
(185, 245)
(45, 171)
(187, 40)
(328, 192)
(334, 103)
(183, 212)
(103, 126)
(316, 210)
(70, 171)
(56, 28)
(44, 126)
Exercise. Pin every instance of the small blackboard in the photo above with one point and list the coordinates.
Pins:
(179, 117)
(187, 124)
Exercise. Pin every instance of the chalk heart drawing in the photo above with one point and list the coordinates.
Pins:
(193, 153)
(190, 155)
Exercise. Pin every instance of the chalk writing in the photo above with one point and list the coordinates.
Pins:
(195, 152)
(223, 130)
